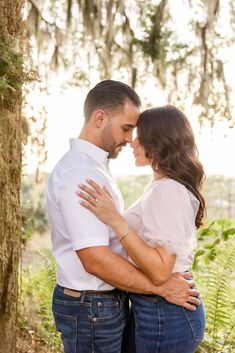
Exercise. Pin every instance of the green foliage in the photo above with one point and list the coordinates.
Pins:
(12, 74)
(220, 196)
(35, 301)
(34, 217)
(4, 86)
(220, 300)
(158, 41)
(27, 222)
(50, 270)
(214, 272)
(132, 187)
(211, 238)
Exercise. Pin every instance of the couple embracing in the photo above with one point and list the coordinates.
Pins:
(124, 282)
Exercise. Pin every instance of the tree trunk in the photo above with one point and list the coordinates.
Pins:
(10, 167)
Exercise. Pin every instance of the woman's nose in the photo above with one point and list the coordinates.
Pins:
(133, 143)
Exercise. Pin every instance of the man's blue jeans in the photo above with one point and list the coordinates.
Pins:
(90, 323)
(162, 327)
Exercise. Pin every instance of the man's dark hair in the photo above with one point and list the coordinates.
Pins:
(109, 95)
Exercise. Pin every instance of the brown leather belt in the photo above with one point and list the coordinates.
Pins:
(77, 294)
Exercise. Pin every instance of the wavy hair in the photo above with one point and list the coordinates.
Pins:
(168, 140)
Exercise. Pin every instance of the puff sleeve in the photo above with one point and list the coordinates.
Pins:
(169, 217)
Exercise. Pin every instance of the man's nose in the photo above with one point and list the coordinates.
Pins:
(128, 137)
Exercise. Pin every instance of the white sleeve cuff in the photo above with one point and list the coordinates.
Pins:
(89, 243)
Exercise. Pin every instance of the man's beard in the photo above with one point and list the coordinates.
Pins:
(109, 144)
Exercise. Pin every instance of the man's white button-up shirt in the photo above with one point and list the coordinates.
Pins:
(73, 227)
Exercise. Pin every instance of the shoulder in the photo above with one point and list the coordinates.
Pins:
(76, 166)
(166, 191)
(167, 186)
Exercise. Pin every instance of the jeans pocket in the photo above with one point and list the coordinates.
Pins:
(67, 326)
(108, 309)
(196, 320)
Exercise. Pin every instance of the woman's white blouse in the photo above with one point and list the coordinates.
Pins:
(165, 215)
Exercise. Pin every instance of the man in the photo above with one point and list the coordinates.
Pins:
(90, 303)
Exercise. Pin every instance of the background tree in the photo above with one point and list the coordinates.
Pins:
(138, 41)
(11, 78)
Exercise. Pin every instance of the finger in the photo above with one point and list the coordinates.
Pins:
(191, 282)
(86, 197)
(88, 190)
(186, 275)
(189, 306)
(194, 293)
(89, 206)
(106, 190)
(98, 189)
(194, 301)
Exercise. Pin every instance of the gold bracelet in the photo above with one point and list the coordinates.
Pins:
(125, 234)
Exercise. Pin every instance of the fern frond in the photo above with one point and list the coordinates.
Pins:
(219, 298)
(50, 270)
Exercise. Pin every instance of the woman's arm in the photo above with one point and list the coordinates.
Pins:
(154, 262)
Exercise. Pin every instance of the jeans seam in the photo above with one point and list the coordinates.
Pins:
(192, 329)
(70, 303)
(159, 325)
(73, 319)
(99, 319)
(120, 306)
(68, 317)
(76, 334)
(114, 305)
(92, 331)
(148, 299)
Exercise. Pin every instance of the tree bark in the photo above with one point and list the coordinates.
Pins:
(10, 173)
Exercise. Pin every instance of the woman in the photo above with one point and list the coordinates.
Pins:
(158, 231)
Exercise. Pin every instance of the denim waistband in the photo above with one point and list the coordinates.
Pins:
(92, 293)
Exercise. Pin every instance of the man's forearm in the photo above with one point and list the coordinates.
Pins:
(117, 271)
(113, 269)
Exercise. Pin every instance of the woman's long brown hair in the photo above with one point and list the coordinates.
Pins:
(168, 140)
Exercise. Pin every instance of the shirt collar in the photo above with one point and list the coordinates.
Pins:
(90, 149)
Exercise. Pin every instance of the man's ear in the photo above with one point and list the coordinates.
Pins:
(99, 118)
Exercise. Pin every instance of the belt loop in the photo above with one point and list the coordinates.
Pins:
(123, 295)
(83, 295)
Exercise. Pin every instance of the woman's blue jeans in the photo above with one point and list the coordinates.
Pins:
(162, 327)
(90, 323)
